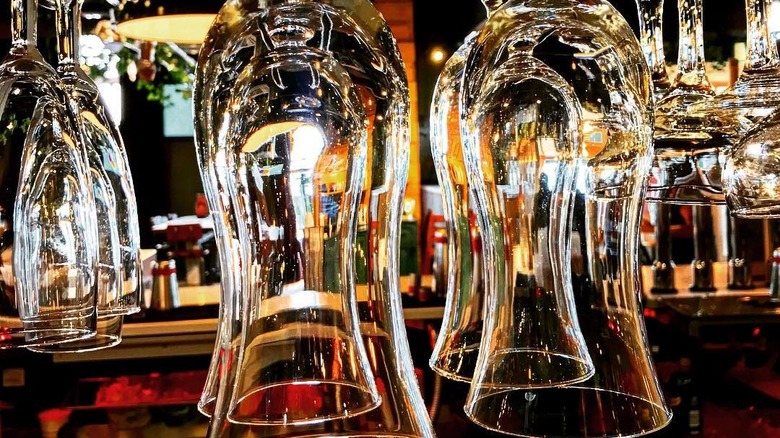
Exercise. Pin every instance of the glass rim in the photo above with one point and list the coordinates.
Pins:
(250, 420)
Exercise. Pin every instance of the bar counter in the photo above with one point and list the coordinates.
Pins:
(185, 337)
(723, 307)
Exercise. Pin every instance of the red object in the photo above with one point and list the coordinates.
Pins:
(153, 389)
(163, 271)
(183, 233)
(431, 224)
(420, 377)
(201, 206)
(282, 400)
(54, 415)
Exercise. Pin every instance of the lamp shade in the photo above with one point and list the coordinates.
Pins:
(184, 23)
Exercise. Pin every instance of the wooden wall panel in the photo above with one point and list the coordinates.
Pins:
(399, 14)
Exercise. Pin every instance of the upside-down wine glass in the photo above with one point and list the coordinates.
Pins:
(689, 141)
(457, 345)
(752, 169)
(546, 77)
(651, 38)
(49, 232)
(360, 40)
(118, 284)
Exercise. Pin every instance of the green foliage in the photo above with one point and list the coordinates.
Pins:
(171, 69)
(10, 125)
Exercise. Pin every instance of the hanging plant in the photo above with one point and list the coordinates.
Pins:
(151, 66)
(152, 74)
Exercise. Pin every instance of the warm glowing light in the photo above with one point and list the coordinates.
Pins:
(308, 141)
(266, 133)
(755, 150)
(438, 55)
(185, 29)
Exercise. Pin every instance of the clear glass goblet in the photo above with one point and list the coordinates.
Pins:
(49, 233)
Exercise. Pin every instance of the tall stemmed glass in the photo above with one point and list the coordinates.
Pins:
(106, 147)
(457, 346)
(652, 41)
(119, 248)
(756, 93)
(360, 40)
(689, 141)
(48, 236)
(753, 165)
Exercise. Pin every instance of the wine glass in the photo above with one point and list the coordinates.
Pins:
(753, 165)
(651, 38)
(297, 143)
(119, 243)
(527, 172)
(752, 173)
(756, 93)
(358, 37)
(221, 60)
(49, 232)
(457, 345)
(546, 77)
(689, 141)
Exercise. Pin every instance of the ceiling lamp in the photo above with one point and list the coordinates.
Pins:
(173, 21)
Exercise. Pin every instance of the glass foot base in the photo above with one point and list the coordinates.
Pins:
(568, 412)
(687, 171)
(456, 365)
(109, 334)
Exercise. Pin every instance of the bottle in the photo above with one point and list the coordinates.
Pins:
(410, 255)
(702, 266)
(684, 400)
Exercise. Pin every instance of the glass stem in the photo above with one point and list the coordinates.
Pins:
(690, 56)
(491, 6)
(24, 22)
(651, 37)
(761, 49)
(68, 27)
